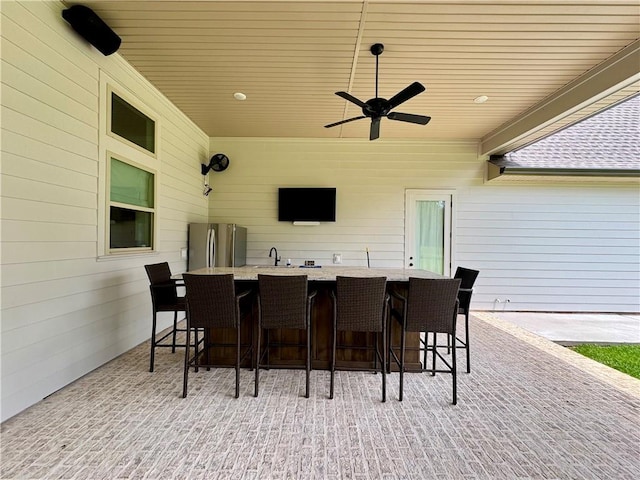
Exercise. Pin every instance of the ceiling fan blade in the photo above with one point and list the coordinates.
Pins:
(411, 91)
(351, 98)
(409, 117)
(375, 128)
(344, 121)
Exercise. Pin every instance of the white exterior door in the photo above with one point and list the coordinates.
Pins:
(427, 241)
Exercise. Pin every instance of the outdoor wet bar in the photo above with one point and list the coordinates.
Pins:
(322, 280)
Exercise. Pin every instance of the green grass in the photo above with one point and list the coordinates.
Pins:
(625, 358)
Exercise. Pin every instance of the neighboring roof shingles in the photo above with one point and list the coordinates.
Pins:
(609, 140)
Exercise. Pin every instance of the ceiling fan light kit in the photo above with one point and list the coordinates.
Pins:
(378, 107)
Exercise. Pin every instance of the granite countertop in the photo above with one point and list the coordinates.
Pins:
(318, 273)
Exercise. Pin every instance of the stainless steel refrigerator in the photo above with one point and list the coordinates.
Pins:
(216, 245)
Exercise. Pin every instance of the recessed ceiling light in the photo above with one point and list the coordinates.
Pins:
(239, 96)
(480, 99)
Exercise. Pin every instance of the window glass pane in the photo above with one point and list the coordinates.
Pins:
(130, 228)
(132, 124)
(131, 185)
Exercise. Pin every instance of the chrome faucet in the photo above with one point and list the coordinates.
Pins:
(277, 259)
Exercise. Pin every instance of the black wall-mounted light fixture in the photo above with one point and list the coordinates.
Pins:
(92, 28)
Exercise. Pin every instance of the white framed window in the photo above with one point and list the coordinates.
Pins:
(128, 173)
(130, 122)
(132, 206)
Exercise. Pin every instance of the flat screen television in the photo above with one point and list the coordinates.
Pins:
(315, 204)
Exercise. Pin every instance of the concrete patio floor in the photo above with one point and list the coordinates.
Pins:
(575, 328)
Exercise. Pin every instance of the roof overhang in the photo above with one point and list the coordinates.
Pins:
(597, 86)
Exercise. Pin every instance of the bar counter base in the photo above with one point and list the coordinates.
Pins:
(353, 356)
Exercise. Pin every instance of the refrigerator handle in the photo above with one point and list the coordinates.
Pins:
(233, 246)
(208, 248)
(211, 247)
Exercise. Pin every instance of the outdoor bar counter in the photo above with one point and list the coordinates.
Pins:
(322, 280)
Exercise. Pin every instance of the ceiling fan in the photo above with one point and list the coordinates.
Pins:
(377, 107)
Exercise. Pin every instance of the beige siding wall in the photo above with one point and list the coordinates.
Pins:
(554, 247)
(544, 247)
(370, 178)
(63, 312)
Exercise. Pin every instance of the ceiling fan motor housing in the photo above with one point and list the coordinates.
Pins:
(376, 107)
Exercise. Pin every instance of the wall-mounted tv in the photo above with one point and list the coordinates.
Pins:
(316, 204)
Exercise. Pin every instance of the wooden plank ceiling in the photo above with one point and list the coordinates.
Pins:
(289, 58)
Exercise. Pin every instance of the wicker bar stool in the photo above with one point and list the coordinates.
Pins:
(212, 303)
(360, 305)
(164, 298)
(467, 277)
(283, 303)
(431, 306)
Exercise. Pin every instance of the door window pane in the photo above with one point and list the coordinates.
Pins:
(131, 124)
(429, 239)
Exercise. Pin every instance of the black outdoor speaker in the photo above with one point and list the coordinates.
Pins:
(91, 27)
